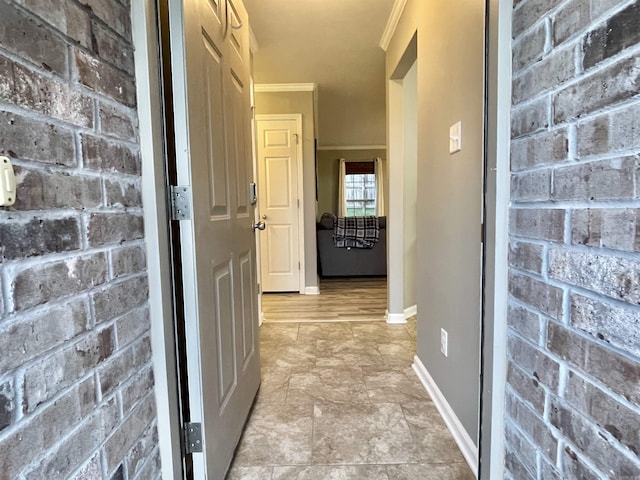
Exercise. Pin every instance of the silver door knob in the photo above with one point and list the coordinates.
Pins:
(259, 226)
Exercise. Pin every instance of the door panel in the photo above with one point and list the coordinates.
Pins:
(278, 174)
(219, 195)
(212, 118)
(225, 320)
(278, 171)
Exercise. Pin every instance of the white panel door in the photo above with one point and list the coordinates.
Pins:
(278, 173)
(213, 118)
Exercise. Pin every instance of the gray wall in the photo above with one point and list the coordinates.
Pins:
(300, 102)
(573, 390)
(450, 55)
(76, 382)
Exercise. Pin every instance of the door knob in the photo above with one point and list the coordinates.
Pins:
(259, 226)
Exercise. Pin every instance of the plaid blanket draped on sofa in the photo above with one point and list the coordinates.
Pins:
(357, 232)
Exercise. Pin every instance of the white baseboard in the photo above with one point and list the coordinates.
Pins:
(261, 319)
(312, 290)
(460, 435)
(410, 311)
(395, 318)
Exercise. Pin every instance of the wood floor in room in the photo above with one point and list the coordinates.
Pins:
(340, 299)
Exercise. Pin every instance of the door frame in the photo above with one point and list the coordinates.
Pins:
(145, 36)
(154, 193)
(297, 117)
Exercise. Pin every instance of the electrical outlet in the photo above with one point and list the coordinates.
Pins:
(444, 342)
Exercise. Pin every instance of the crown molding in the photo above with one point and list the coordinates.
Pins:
(285, 87)
(392, 23)
(352, 147)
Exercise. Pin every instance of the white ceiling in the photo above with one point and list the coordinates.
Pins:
(334, 43)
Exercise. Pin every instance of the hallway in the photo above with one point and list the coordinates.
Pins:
(340, 401)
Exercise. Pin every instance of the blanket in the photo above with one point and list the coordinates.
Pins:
(357, 232)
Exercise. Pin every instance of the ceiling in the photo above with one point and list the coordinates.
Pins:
(334, 43)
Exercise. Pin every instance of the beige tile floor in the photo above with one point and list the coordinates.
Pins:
(340, 401)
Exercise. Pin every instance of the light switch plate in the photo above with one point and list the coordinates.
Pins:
(455, 138)
(7, 183)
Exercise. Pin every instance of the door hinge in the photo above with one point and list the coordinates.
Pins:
(482, 233)
(192, 437)
(180, 202)
(297, 139)
(298, 265)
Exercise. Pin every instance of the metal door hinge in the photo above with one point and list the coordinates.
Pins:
(192, 437)
(180, 202)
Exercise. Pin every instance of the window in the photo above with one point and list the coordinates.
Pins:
(360, 188)
(360, 194)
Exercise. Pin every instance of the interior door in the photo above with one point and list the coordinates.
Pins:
(278, 174)
(210, 61)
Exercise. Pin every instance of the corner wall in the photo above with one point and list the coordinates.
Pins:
(76, 381)
(450, 55)
(573, 392)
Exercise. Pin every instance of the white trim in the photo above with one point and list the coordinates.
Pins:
(497, 229)
(312, 291)
(352, 147)
(297, 117)
(392, 23)
(395, 318)
(460, 435)
(285, 87)
(144, 33)
(410, 311)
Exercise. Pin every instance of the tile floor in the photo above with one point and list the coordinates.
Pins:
(340, 401)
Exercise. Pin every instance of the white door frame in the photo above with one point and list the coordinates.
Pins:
(145, 39)
(497, 178)
(297, 117)
(156, 226)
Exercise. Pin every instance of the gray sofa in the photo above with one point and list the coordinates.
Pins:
(350, 262)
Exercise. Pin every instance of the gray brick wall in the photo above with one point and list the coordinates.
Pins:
(573, 388)
(76, 383)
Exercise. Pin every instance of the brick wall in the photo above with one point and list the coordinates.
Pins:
(76, 385)
(573, 393)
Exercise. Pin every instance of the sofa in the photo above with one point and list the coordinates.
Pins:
(350, 262)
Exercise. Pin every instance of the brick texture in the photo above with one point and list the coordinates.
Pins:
(76, 382)
(573, 381)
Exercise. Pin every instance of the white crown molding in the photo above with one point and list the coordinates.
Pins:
(352, 147)
(253, 41)
(460, 435)
(285, 87)
(392, 23)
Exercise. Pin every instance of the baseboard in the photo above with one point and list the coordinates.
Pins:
(395, 318)
(312, 290)
(410, 311)
(460, 435)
